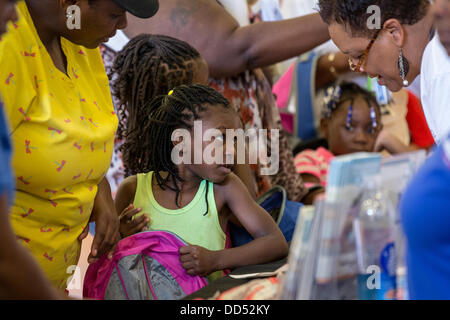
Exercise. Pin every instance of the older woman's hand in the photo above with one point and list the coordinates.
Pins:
(106, 224)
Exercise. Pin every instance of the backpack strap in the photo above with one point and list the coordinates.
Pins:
(268, 194)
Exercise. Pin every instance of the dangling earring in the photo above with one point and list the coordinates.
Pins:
(403, 67)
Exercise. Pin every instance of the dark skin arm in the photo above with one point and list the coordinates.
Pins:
(268, 245)
(244, 172)
(20, 276)
(106, 224)
(228, 48)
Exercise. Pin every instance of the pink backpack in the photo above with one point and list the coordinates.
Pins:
(145, 266)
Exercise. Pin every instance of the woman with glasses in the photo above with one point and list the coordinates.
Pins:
(396, 42)
(404, 46)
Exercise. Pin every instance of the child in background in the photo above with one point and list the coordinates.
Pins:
(351, 122)
(187, 199)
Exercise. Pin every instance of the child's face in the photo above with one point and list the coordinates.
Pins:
(220, 119)
(359, 137)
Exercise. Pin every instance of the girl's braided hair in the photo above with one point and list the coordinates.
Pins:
(343, 91)
(349, 91)
(149, 65)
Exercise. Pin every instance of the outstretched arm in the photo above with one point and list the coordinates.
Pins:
(268, 245)
(228, 48)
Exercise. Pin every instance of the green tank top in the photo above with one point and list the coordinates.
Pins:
(189, 222)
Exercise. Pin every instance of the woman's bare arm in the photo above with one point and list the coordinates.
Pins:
(269, 243)
(228, 48)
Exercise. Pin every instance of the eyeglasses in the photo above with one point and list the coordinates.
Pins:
(363, 59)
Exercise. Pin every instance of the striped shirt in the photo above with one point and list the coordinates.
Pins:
(314, 162)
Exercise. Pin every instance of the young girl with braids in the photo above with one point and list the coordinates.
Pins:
(150, 65)
(351, 122)
(187, 199)
(147, 66)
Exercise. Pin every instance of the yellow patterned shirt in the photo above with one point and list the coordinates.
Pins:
(62, 129)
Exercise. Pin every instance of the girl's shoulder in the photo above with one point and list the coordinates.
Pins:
(131, 180)
(125, 194)
(227, 189)
(127, 187)
(231, 184)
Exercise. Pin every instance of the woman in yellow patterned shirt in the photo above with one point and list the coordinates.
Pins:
(62, 125)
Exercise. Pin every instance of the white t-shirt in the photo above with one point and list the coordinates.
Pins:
(435, 88)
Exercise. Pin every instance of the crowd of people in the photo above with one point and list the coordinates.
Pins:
(88, 116)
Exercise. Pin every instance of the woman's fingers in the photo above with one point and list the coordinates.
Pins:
(110, 240)
(106, 236)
